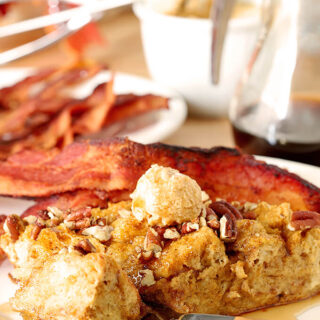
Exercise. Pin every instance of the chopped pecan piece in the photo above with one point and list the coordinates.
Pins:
(85, 246)
(147, 277)
(101, 233)
(212, 219)
(79, 214)
(11, 226)
(101, 222)
(171, 234)
(82, 224)
(188, 227)
(55, 213)
(302, 220)
(43, 214)
(160, 231)
(152, 245)
(30, 219)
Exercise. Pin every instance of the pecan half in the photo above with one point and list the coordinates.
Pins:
(79, 214)
(230, 215)
(302, 220)
(223, 207)
(85, 246)
(11, 225)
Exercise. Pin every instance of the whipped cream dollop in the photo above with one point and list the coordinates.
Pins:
(164, 197)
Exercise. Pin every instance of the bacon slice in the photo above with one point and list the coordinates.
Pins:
(16, 120)
(130, 105)
(12, 96)
(116, 165)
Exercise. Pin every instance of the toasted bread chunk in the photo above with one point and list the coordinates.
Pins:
(28, 254)
(73, 286)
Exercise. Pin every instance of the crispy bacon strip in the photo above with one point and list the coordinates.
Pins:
(116, 164)
(11, 97)
(130, 105)
(59, 131)
(92, 121)
(14, 121)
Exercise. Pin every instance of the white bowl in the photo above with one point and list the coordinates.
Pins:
(177, 52)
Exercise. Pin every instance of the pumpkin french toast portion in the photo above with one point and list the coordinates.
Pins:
(73, 286)
(219, 257)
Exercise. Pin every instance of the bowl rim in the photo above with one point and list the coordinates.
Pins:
(143, 11)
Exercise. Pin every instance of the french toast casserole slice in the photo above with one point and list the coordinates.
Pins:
(170, 245)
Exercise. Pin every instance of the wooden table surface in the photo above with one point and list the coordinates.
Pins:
(123, 52)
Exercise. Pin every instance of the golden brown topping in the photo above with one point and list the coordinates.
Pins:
(11, 226)
(302, 220)
(249, 206)
(147, 278)
(85, 246)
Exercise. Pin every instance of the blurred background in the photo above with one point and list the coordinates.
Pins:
(267, 98)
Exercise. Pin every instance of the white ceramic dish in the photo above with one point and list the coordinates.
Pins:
(165, 122)
(177, 52)
(305, 310)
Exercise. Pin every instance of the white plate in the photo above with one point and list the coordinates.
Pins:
(305, 310)
(167, 121)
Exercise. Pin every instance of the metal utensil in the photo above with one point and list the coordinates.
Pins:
(62, 16)
(68, 22)
(41, 43)
(220, 14)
